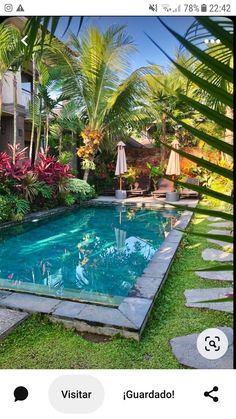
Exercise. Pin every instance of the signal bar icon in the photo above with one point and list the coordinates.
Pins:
(177, 9)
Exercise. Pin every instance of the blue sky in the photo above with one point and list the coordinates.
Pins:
(136, 27)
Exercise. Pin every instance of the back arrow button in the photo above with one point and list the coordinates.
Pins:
(23, 40)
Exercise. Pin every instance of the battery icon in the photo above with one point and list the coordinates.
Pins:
(203, 8)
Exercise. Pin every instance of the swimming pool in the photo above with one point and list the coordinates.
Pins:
(92, 254)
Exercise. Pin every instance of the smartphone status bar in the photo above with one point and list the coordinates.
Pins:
(122, 8)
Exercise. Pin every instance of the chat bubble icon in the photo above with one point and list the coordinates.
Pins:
(20, 394)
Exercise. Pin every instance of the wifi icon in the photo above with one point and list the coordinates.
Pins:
(166, 7)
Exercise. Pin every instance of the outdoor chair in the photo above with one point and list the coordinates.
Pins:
(164, 186)
(188, 193)
(137, 190)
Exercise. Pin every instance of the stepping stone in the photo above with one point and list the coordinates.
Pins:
(194, 296)
(223, 224)
(221, 243)
(214, 219)
(216, 275)
(217, 255)
(185, 350)
(222, 232)
(9, 320)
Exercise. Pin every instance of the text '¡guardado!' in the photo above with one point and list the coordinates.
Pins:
(129, 394)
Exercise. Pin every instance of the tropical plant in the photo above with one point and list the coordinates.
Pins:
(155, 173)
(219, 30)
(81, 189)
(131, 175)
(49, 170)
(42, 25)
(105, 96)
(162, 100)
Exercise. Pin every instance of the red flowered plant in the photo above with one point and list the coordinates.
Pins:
(49, 170)
(15, 170)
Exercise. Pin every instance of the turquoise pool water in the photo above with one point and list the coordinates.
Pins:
(90, 254)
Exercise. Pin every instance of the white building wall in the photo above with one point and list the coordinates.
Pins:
(8, 88)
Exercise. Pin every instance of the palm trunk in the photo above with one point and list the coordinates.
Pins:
(229, 136)
(14, 116)
(86, 175)
(33, 109)
(39, 130)
(60, 143)
(46, 133)
(163, 137)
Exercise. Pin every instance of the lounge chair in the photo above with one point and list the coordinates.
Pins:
(137, 190)
(188, 193)
(164, 186)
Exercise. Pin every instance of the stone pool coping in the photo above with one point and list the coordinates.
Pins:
(130, 317)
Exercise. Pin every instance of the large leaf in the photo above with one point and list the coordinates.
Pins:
(222, 171)
(199, 210)
(221, 267)
(216, 30)
(215, 65)
(205, 191)
(221, 237)
(222, 95)
(209, 139)
(222, 120)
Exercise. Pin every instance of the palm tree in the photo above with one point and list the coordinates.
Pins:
(100, 86)
(162, 97)
(65, 122)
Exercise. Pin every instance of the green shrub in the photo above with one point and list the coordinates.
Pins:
(13, 208)
(81, 189)
(5, 209)
(69, 199)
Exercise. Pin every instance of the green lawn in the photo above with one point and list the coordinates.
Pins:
(39, 344)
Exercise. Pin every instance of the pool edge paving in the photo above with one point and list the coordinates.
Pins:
(130, 318)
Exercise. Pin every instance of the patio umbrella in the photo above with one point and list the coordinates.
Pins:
(173, 167)
(121, 165)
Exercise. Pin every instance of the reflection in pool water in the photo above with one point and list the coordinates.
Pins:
(94, 254)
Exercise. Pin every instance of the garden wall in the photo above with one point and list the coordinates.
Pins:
(139, 157)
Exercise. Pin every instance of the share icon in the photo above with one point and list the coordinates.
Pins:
(208, 394)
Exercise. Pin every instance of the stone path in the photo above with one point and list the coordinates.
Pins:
(214, 219)
(221, 243)
(185, 347)
(185, 350)
(221, 232)
(216, 255)
(222, 224)
(216, 275)
(195, 295)
(9, 320)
